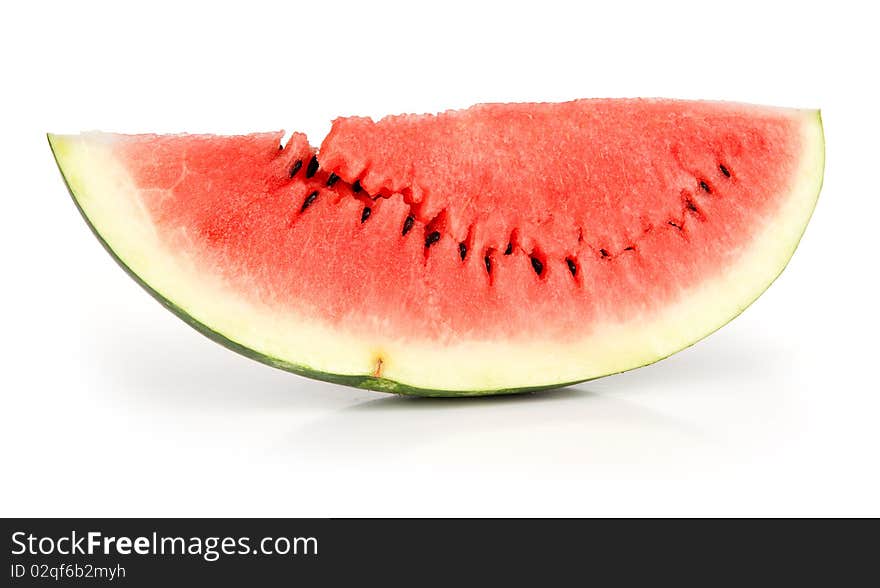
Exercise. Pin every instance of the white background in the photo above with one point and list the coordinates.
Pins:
(112, 406)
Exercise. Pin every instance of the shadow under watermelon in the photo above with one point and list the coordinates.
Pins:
(623, 419)
(680, 410)
(568, 426)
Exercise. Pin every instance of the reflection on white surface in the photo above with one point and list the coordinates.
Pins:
(674, 412)
(567, 426)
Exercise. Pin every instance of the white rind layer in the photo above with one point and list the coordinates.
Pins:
(109, 199)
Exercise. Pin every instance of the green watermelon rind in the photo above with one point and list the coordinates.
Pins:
(383, 384)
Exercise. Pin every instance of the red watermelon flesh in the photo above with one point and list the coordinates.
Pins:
(513, 223)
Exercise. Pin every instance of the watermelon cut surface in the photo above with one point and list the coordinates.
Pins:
(505, 247)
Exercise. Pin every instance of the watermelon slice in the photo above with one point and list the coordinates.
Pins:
(506, 247)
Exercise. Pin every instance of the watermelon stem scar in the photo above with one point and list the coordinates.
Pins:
(502, 248)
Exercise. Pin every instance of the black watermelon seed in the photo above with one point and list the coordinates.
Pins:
(296, 167)
(724, 170)
(488, 263)
(630, 248)
(705, 187)
(462, 251)
(408, 224)
(308, 201)
(366, 214)
(356, 187)
(603, 253)
(571, 266)
(689, 204)
(432, 238)
(537, 266)
(313, 167)
(332, 179)
(509, 249)
(674, 224)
